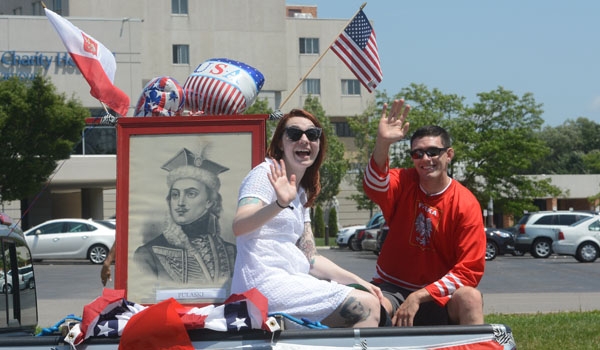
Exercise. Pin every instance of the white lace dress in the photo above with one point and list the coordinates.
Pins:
(269, 260)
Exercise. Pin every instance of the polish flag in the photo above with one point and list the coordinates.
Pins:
(95, 62)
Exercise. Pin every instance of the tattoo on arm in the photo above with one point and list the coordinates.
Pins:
(353, 311)
(248, 200)
(306, 243)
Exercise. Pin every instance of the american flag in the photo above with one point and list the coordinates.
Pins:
(357, 48)
(165, 323)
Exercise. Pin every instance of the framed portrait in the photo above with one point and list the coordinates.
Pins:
(177, 185)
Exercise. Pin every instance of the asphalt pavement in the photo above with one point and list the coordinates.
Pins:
(83, 281)
(51, 311)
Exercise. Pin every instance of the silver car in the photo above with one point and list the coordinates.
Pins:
(345, 236)
(536, 231)
(580, 240)
(71, 239)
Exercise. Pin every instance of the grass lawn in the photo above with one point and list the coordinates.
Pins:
(562, 330)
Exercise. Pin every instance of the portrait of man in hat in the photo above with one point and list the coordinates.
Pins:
(190, 249)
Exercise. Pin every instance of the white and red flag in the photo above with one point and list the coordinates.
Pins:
(357, 48)
(95, 62)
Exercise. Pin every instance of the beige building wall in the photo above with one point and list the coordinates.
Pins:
(141, 33)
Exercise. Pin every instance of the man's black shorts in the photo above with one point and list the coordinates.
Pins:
(429, 314)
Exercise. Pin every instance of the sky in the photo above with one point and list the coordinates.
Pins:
(550, 48)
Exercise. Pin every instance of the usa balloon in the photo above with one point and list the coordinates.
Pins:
(222, 86)
(161, 97)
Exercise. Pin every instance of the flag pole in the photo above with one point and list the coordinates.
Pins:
(320, 57)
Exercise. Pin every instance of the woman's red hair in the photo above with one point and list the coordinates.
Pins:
(311, 179)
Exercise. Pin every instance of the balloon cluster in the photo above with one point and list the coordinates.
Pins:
(218, 86)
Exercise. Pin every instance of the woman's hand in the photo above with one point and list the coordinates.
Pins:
(284, 188)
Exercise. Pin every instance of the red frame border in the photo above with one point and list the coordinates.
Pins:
(127, 127)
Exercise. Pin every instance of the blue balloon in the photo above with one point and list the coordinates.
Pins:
(161, 97)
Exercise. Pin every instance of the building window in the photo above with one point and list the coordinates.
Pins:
(97, 140)
(293, 12)
(311, 87)
(309, 46)
(179, 7)
(57, 6)
(350, 87)
(36, 8)
(342, 129)
(181, 54)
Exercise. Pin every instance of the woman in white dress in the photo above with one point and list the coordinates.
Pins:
(276, 250)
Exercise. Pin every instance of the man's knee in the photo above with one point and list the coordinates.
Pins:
(468, 294)
(466, 306)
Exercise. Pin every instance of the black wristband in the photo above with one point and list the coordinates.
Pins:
(283, 207)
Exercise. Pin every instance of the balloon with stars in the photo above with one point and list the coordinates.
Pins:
(161, 97)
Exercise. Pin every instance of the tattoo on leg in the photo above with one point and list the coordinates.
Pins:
(353, 311)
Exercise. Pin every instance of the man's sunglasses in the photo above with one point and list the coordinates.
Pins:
(295, 134)
(431, 152)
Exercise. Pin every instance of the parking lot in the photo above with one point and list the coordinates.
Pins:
(505, 274)
(510, 284)
(514, 284)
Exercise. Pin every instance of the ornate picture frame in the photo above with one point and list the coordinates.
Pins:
(170, 171)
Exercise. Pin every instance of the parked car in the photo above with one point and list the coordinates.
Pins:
(5, 282)
(368, 239)
(580, 240)
(19, 314)
(381, 234)
(536, 231)
(499, 242)
(71, 239)
(355, 242)
(346, 234)
(25, 279)
(368, 236)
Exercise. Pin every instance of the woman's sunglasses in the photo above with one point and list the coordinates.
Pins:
(295, 134)
(431, 152)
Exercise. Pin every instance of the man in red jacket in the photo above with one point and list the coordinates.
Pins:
(434, 254)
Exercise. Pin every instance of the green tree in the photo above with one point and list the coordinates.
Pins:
(259, 107)
(573, 146)
(335, 165)
(262, 107)
(428, 108)
(319, 222)
(364, 127)
(38, 128)
(592, 161)
(495, 141)
(333, 222)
